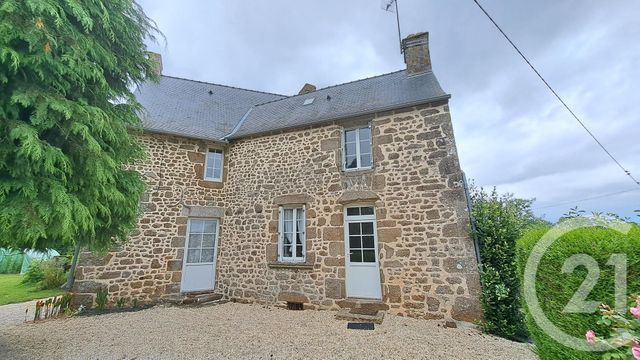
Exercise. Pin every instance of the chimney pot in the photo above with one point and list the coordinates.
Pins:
(157, 62)
(416, 53)
(307, 88)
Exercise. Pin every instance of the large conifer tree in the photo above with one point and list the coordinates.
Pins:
(68, 120)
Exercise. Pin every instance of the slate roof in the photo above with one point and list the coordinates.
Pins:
(379, 93)
(185, 107)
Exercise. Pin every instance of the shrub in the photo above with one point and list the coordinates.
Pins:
(102, 297)
(499, 222)
(558, 287)
(34, 274)
(53, 276)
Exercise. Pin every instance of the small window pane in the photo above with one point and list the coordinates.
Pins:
(209, 227)
(353, 211)
(354, 242)
(193, 256)
(351, 162)
(287, 239)
(288, 214)
(356, 256)
(287, 251)
(365, 134)
(354, 228)
(367, 242)
(365, 160)
(196, 226)
(208, 240)
(349, 136)
(366, 210)
(195, 241)
(207, 255)
(209, 172)
(368, 256)
(367, 228)
(299, 251)
(350, 149)
(217, 173)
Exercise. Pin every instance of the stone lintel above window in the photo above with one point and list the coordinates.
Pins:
(203, 212)
(353, 196)
(293, 199)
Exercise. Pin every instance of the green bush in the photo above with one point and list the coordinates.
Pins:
(499, 221)
(48, 274)
(555, 288)
(35, 273)
(53, 276)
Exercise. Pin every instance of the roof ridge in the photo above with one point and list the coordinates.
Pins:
(332, 86)
(227, 86)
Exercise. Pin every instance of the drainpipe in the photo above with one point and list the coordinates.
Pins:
(473, 221)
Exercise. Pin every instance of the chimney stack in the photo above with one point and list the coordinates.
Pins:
(416, 53)
(307, 88)
(157, 62)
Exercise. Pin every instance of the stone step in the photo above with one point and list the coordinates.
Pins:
(375, 317)
(363, 305)
(200, 298)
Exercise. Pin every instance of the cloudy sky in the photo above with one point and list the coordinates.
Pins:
(511, 132)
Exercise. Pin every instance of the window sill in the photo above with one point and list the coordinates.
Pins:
(358, 171)
(290, 265)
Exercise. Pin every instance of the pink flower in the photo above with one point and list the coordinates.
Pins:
(635, 311)
(635, 350)
(590, 335)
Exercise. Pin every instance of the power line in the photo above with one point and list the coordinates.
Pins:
(627, 172)
(586, 199)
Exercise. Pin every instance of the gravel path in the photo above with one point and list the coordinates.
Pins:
(13, 314)
(234, 331)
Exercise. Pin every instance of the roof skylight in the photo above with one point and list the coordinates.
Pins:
(309, 101)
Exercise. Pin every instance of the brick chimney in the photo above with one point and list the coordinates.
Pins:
(307, 88)
(416, 53)
(157, 61)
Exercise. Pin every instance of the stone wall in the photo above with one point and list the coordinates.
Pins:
(149, 265)
(427, 262)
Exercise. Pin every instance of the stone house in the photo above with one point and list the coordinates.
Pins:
(331, 198)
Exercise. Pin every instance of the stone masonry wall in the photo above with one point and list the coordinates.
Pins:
(427, 262)
(149, 265)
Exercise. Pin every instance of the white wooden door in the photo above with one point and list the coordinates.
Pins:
(361, 242)
(200, 253)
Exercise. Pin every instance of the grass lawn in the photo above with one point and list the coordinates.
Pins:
(11, 291)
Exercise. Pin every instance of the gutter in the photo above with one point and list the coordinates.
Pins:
(238, 125)
(165, 132)
(476, 245)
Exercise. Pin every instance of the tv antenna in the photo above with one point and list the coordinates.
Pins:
(392, 7)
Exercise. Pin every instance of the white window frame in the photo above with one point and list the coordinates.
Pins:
(206, 164)
(348, 219)
(358, 156)
(188, 239)
(294, 258)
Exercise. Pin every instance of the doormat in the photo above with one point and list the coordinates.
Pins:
(360, 326)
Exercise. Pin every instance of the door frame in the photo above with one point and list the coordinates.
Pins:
(216, 242)
(347, 260)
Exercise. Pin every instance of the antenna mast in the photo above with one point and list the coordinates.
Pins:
(388, 5)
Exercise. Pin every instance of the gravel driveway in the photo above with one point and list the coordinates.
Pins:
(245, 331)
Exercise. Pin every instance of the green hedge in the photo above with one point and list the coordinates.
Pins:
(555, 289)
(10, 261)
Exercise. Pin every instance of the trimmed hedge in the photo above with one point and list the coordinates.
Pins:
(499, 221)
(555, 289)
